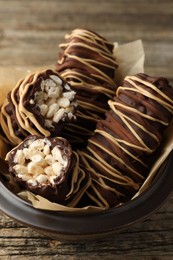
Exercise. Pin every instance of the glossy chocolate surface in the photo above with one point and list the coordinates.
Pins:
(48, 167)
(86, 61)
(39, 104)
(126, 143)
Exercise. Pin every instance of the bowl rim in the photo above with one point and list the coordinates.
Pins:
(107, 221)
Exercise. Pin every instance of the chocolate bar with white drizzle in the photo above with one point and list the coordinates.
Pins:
(40, 104)
(121, 149)
(48, 167)
(87, 63)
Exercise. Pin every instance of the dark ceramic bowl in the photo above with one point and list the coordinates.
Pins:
(77, 226)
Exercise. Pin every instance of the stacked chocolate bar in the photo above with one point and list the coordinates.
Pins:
(119, 153)
(116, 132)
(48, 167)
(40, 104)
(87, 64)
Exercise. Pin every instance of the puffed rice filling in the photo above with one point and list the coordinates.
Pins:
(54, 103)
(38, 164)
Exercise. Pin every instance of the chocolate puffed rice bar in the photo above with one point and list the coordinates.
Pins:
(40, 104)
(48, 167)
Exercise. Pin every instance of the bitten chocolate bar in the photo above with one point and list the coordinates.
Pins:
(87, 63)
(40, 104)
(123, 144)
(48, 167)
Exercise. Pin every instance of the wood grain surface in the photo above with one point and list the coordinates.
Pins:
(30, 31)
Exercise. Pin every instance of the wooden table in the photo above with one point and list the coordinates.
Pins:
(30, 32)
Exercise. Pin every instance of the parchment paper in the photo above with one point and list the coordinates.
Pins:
(130, 58)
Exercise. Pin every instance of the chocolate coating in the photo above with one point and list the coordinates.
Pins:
(48, 167)
(40, 104)
(87, 63)
(119, 153)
